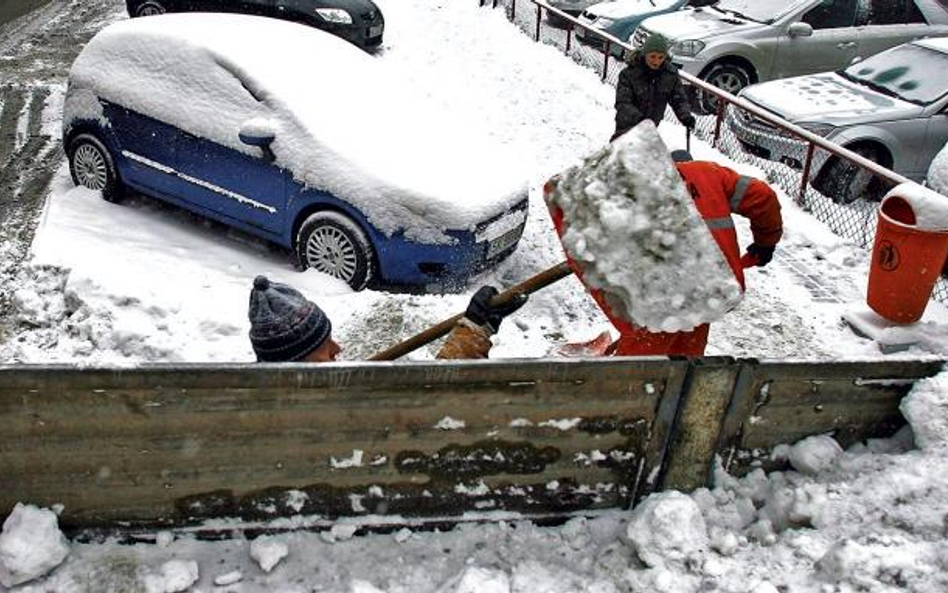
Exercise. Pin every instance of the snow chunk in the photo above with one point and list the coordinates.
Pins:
(268, 552)
(482, 580)
(228, 578)
(667, 527)
(814, 454)
(176, 576)
(360, 586)
(632, 226)
(31, 545)
(926, 409)
(355, 460)
(449, 423)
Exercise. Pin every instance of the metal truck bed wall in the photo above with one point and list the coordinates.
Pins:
(176, 444)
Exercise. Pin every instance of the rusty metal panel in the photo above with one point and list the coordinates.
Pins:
(783, 402)
(697, 429)
(170, 444)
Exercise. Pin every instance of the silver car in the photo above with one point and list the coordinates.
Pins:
(891, 108)
(735, 43)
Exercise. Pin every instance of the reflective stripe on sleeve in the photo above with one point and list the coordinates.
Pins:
(724, 222)
(740, 188)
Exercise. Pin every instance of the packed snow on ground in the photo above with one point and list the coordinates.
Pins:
(143, 282)
(669, 274)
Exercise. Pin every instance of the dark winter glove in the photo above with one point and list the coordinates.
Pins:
(761, 254)
(689, 121)
(480, 311)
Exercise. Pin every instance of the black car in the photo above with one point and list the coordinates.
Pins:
(357, 21)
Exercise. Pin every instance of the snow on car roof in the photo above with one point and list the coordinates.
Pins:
(343, 123)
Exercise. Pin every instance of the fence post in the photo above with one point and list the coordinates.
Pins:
(569, 36)
(722, 106)
(806, 172)
(605, 61)
(536, 37)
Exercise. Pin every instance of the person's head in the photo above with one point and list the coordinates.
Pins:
(286, 327)
(655, 50)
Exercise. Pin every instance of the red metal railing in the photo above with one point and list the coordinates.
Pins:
(855, 220)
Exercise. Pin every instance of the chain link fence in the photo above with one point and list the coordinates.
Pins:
(837, 186)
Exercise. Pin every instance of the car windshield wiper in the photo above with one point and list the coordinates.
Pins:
(739, 15)
(884, 90)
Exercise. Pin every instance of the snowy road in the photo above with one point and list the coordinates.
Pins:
(36, 51)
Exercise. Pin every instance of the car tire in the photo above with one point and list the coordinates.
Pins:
(333, 244)
(726, 76)
(91, 166)
(845, 182)
(150, 8)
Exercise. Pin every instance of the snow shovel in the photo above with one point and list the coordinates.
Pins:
(528, 286)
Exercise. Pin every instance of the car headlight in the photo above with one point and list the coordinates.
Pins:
(819, 129)
(335, 15)
(688, 48)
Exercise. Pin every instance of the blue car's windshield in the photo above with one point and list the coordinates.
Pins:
(910, 72)
(762, 11)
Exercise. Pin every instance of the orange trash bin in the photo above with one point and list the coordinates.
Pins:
(906, 262)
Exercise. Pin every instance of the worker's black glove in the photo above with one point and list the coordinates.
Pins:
(480, 311)
(689, 121)
(761, 253)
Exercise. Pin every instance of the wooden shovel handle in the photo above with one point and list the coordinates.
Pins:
(528, 286)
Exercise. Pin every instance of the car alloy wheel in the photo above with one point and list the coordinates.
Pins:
(150, 9)
(91, 166)
(845, 182)
(331, 243)
(730, 78)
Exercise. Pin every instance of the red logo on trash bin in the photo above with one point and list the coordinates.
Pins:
(888, 256)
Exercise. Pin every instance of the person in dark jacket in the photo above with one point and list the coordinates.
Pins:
(647, 85)
(285, 326)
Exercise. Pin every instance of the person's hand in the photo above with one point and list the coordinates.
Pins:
(480, 311)
(689, 121)
(761, 254)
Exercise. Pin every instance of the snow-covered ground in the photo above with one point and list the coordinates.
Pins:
(143, 282)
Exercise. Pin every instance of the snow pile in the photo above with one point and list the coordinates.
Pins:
(929, 208)
(938, 172)
(632, 226)
(31, 545)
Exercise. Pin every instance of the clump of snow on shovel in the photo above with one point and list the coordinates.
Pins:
(31, 545)
(631, 224)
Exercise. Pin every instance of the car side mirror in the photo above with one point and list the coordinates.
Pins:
(261, 134)
(799, 30)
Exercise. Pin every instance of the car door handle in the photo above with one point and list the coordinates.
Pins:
(846, 44)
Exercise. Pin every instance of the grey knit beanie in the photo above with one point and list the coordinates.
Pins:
(284, 325)
(655, 43)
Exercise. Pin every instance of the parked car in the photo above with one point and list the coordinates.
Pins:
(619, 18)
(570, 7)
(357, 21)
(204, 112)
(734, 43)
(891, 108)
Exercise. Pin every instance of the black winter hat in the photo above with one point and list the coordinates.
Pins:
(284, 325)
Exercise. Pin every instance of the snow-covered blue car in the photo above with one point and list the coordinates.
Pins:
(293, 135)
(620, 18)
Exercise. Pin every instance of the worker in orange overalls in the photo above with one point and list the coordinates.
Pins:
(718, 192)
